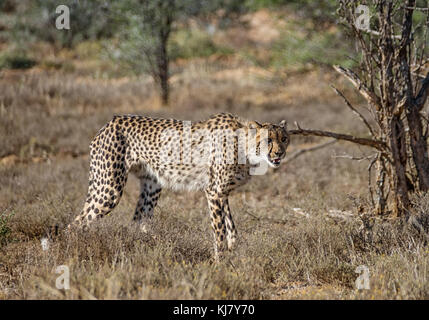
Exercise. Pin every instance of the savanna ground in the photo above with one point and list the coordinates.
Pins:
(291, 244)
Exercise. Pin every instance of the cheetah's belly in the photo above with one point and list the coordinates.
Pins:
(181, 177)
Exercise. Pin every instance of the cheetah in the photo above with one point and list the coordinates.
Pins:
(215, 156)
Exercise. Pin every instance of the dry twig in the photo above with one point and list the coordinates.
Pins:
(300, 152)
(354, 110)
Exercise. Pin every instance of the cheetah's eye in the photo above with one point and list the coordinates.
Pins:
(284, 139)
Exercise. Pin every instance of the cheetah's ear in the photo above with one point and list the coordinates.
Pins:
(254, 125)
(283, 124)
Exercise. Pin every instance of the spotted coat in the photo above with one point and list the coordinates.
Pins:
(155, 150)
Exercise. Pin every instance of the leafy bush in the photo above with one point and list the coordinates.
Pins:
(194, 43)
(4, 227)
(8, 6)
(259, 4)
(89, 19)
(317, 48)
(322, 10)
(19, 61)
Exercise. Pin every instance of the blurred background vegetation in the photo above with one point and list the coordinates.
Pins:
(119, 31)
(134, 37)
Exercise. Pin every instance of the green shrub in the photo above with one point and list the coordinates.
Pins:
(258, 4)
(89, 49)
(35, 21)
(4, 227)
(16, 62)
(315, 49)
(320, 11)
(194, 43)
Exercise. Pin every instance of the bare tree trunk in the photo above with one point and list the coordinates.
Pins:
(163, 72)
(163, 58)
(398, 177)
(380, 205)
(418, 141)
(419, 147)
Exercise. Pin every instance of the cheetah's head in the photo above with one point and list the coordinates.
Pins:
(276, 140)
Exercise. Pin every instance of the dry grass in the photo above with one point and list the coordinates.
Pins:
(47, 121)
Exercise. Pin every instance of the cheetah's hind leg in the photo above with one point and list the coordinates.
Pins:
(108, 174)
(150, 191)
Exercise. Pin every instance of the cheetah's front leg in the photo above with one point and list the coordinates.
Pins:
(231, 232)
(222, 224)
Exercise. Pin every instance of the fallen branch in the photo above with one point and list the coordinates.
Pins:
(300, 212)
(270, 220)
(300, 152)
(344, 215)
(377, 144)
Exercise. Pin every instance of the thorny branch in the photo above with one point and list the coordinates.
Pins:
(377, 144)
